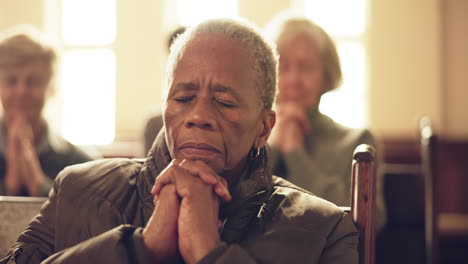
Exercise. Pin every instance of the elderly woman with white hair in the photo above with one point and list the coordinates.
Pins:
(205, 193)
(31, 155)
(309, 148)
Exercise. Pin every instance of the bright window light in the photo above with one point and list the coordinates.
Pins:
(89, 22)
(346, 104)
(338, 17)
(345, 21)
(88, 87)
(194, 11)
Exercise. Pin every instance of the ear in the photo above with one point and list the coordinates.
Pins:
(268, 121)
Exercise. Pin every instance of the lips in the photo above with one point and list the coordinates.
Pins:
(198, 149)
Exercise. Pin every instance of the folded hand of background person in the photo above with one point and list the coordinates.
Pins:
(291, 126)
(192, 221)
(23, 169)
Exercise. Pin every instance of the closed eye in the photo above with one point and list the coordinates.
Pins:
(225, 103)
(184, 99)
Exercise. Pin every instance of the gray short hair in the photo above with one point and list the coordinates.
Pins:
(262, 52)
(25, 44)
(288, 25)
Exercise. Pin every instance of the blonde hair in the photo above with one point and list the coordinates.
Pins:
(262, 52)
(25, 44)
(287, 25)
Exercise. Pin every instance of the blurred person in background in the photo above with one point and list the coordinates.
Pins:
(155, 122)
(308, 147)
(31, 155)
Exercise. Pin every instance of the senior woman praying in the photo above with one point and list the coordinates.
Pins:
(205, 193)
(308, 147)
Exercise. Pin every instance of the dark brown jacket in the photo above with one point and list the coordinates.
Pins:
(96, 211)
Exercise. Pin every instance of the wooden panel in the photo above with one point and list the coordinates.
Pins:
(452, 176)
(402, 156)
(401, 151)
(16, 212)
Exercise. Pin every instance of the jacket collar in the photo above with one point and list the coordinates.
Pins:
(253, 189)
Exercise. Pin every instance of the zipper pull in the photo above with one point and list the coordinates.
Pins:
(260, 211)
(13, 256)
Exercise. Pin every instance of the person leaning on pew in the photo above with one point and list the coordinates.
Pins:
(205, 193)
(31, 155)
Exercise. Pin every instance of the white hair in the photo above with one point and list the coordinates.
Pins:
(288, 25)
(262, 52)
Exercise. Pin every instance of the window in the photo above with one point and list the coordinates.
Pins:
(88, 31)
(345, 21)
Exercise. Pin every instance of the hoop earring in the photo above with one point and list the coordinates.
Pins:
(254, 153)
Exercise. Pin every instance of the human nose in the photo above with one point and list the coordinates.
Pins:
(20, 88)
(291, 82)
(202, 115)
